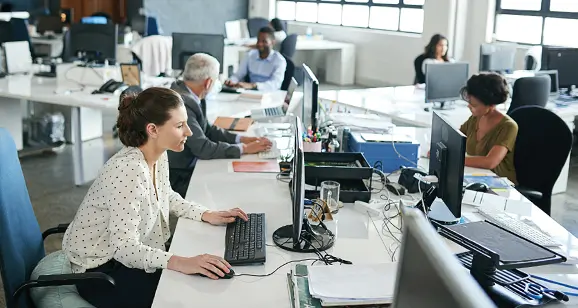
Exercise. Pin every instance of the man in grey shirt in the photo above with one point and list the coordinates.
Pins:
(208, 141)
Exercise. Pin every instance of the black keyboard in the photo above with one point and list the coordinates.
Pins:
(245, 240)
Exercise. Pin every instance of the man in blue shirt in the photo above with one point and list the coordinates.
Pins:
(264, 66)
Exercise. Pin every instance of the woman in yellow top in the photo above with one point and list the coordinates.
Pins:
(491, 135)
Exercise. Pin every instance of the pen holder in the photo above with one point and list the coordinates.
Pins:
(312, 146)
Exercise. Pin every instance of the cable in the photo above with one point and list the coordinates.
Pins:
(278, 268)
(557, 283)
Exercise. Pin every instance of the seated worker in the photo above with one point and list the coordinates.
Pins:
(264, 67)
(491, 135)
(208, 141)
(436, 51)
(122, 226)
(277, 26)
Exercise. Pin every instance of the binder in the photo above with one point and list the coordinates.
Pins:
(234, 124)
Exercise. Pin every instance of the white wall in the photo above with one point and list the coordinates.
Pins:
(386, 58)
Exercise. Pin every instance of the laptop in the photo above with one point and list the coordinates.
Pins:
(131, 74)
(278, 111)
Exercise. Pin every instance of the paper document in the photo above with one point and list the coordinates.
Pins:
(353, 283)
(480, 199)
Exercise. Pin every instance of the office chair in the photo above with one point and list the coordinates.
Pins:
(542, 147)
(530, 91)
(20, 33)
(289, 72)
(152, 27)
(289, 45)
(23, 264)
(255, 24)
(417, 64)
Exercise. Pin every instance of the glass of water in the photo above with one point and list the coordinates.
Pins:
(330, 195)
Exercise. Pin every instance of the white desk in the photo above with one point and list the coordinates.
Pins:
(405, 106)
(339, 58)
(359, 239)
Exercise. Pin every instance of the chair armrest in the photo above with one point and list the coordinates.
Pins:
(529, 193)
(60, 229)
(60, 280)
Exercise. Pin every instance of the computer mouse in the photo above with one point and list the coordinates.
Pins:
(480, 187)
(228, 275)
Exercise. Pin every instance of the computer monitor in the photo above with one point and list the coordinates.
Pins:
(565, 61)
(443, 82)
(429, 274)
(554, 87)
(497, 57)
(138, 24)
(299, 236)
(49, 23)
(310, 99)
(188, 44)
(94, 20)
(447, 158)
(94, 42)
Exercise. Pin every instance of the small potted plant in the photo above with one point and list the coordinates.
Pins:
(285, 164)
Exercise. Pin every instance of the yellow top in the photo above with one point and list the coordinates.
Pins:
(504, 134)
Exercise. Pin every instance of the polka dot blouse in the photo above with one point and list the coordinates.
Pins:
(121, 218)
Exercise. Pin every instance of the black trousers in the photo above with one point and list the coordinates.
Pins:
(133, 287)
(180, 179)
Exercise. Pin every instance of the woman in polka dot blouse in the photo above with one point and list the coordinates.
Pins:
(122, 224)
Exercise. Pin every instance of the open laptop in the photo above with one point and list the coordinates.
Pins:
(277, 111)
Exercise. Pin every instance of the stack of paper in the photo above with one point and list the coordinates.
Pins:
(363, 284)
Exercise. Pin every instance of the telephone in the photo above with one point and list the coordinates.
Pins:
(109, 87)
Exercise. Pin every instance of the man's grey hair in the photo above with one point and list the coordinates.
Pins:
(201, 66)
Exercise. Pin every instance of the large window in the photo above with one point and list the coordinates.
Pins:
(391, 15)
(548, 22)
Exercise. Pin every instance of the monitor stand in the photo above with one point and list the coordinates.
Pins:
(312, 238)
(448, 105)
(435, 209)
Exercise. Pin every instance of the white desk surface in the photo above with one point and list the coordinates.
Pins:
(405, 105)
(359, 239)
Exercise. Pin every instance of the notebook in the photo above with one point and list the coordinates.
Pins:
(236, 124)
(271, 166)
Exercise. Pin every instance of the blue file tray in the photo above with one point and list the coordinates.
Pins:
(385, 152)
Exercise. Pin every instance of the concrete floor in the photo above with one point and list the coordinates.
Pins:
(55, 199)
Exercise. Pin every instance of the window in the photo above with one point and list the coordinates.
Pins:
(537, 22)
(391, 15)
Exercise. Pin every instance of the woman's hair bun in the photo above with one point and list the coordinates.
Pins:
(127, 101)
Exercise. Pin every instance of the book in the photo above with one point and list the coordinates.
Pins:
(235, 124)
(270, 166)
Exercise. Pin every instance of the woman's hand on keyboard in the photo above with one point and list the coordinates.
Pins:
(223, 217)
(256, 147)
(247, 140)
(208, 265)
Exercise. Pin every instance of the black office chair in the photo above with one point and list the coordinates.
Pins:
(289, 45)
(541, 150)
(255, 24)
(289, 72)
(417, 64)
(530, 91)
(20, 33)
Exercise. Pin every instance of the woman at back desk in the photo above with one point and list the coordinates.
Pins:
(436, 51)
(490, 134)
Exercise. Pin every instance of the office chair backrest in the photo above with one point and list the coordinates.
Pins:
(417, 64)
(530, 91)
(289, 72)
(152, 27)
(541, 150)
(289, 45)
(21, 246)
(20, 32)
(255, 24)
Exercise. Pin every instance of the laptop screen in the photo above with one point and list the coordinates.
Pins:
(290, 90)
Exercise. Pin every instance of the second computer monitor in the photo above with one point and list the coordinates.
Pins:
(96, 42)
(188, 44)
(497, 57)
(49, 23)
(310, 99)
(443, 81)
(429, 274)
(565, 61)
(554, 87)
(447, 158)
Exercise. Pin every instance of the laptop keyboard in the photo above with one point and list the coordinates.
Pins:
(273, 112)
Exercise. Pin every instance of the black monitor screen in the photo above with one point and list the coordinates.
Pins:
(565, 61)
(447, 158)
(310, 99)
(49, 23)
(298, 184)
(497, 57)
(98, 41)
(188, 44)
